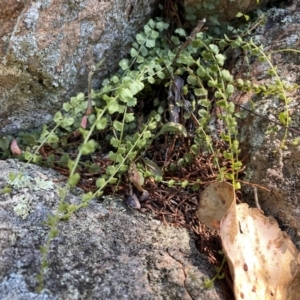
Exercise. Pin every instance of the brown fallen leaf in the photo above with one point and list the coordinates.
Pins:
(263, 261)
(136, 177)
(14, 148)
(84, 121)
(215, 200)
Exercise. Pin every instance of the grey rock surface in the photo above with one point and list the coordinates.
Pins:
(268, 163)
(104, 251)
(47, 48)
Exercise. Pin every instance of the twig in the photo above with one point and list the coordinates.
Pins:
(190, 38)
(256, 198)
(266, 118)
(255, 185)
(185, 106)
(90, 79)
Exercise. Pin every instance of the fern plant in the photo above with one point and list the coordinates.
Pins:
(115, 128)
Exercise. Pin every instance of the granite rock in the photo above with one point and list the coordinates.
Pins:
(104, 251)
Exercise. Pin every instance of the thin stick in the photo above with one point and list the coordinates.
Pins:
(266, 118)
(190, 38)
(256, 198)
(254, 185)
